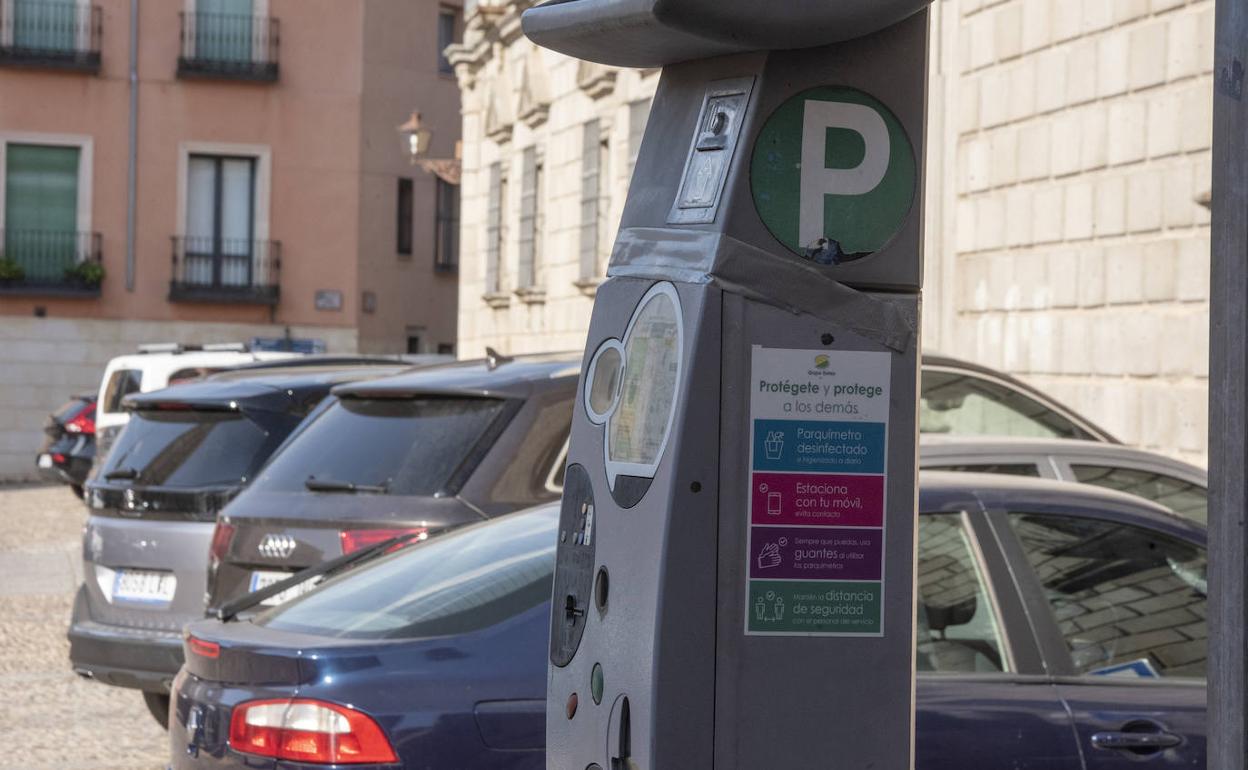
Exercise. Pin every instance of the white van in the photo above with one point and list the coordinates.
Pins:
(155, 367)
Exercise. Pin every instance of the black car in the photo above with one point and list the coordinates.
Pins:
(69, 449)
(185, 451)
(422, 452)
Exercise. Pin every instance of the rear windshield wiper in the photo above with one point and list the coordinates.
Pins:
(230, 610)
(333, 485)
(122, 473)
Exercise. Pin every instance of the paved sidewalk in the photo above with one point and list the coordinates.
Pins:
(51, 719)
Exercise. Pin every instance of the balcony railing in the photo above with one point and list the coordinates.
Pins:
(50, 263)
(225, 270)
(232, 46)
(59, 35)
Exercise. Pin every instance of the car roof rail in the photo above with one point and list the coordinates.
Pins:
(180, 347)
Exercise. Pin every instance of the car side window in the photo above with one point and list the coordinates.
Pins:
(957, 627)
(1129, 601)
(1191, 501)
(121, 383)
(961, 405)
(1006, 469)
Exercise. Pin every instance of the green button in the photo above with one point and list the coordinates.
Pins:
(595, 683)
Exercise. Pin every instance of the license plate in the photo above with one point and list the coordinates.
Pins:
(45, 461)
(144, 586)
(265, 578)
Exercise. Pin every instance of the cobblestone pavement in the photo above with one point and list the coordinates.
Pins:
(51, 718)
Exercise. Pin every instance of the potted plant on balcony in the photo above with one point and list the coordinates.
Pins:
(88, 274)
(11, 272)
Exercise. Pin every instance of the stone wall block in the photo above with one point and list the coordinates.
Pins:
(1147, 59)
(1111, 206)
(1112, 55)
(1128, 131)
(1193, 268)
(1160, 270)
(1144, 201)
(1124, 278)
(1091, 276)
(1079, 210)
(1082, 63)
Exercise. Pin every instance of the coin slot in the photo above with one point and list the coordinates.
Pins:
(602, 585)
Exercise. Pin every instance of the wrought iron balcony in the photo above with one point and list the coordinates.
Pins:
(229, 46)
(56, 35)
(50, 263)
(225, 270)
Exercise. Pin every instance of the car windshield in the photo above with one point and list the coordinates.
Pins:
(402, 446)
(959, 404)
(453, 584)
(187, 448)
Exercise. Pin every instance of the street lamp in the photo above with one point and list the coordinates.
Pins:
(415, 138)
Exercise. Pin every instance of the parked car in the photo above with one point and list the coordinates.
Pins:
(1049, 616)
(69, 449)
(966, 399)
(157, 366)
(424, 451)
(184, 453)
(1179, 486)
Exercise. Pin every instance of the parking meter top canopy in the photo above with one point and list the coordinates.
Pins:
(654, 33)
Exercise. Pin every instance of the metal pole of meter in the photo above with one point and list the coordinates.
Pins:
(1228, 396)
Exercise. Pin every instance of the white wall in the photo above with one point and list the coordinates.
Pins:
(44, 361)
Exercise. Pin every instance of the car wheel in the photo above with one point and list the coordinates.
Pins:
(158, 706)
(77, 490)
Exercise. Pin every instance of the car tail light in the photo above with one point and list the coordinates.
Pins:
(83, 422)
(203, 648)
(221, 538)
(356, 539)
(58, 458)
(312, 731)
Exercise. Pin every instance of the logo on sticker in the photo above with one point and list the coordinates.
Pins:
(821, 362)
(833, 174)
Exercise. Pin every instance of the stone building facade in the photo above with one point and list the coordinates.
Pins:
(548, 149)
(1069, 152)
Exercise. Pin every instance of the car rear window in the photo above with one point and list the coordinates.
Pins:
(408, 446)
(121, 383)
(187, 448)
(453, 584)
(961, 405)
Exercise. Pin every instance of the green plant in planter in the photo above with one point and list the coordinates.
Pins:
(11, 270)
(88, 273)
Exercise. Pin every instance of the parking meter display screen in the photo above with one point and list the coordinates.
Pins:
(651, 374)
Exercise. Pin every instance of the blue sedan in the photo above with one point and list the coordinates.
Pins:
(1060, 626)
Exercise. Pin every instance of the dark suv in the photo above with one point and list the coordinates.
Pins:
(420, 452)
(185, 452)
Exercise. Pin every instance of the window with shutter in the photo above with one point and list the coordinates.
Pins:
(590, 199)
(41, 208)
(526, 274)
(494, 231)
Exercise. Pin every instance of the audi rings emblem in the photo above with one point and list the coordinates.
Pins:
(277, 546)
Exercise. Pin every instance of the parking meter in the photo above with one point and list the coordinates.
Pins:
(734, 582)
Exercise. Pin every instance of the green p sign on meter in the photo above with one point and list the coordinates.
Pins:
(833, 175)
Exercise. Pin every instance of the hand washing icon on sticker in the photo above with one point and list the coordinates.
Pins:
(774, 444)
(769, 556)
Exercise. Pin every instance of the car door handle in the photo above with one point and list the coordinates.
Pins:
(1123, 740)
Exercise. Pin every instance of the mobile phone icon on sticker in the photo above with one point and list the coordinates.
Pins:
(773, 503)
